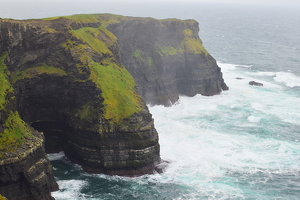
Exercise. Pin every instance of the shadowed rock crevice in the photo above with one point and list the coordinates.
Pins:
(54, 135)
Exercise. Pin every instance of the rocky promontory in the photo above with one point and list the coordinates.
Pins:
(166, 58)
(79, 84)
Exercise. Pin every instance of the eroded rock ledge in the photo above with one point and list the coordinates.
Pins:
(67, 77)
(26, 173)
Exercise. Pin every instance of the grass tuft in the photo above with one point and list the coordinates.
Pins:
(189, 44)
(90, 36)
(118, 91)
(32, 72)
(192, 44)
(13, 134)
(115, 82)
(5, 86)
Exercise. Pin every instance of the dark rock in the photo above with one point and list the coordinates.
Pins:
(166, 59)
(65, 77)
(255, 83)
(28, 176)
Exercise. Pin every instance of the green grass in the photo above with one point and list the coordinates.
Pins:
(142, 57)
(51, 30)
(192, 44)
(14, 131)
(105, 19)
(84, 18)
(14, 128)
(168, 51)
(150, 61)
(89, 35)
(189, 44)
(115, 82)
(118, 91)
(138, 55)
(5, 86)
(109, 34)
(32, 72)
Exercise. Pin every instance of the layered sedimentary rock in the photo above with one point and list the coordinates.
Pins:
(67, 77)
(25, 170)
(26, 173)
(167, 59)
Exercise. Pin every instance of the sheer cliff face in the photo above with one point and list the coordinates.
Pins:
(65, 77)
(166, 59)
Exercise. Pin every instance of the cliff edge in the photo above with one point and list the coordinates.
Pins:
(83, 81)
(166, 58)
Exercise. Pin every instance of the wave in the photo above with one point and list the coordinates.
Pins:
(241, 144)
(70, 190)
(56, 156)
(287, 78)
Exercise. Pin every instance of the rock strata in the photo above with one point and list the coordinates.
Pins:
(68, 78)
(167, 59)
(27, 173)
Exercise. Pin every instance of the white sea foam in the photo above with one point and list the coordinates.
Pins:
(201, 153)
(288, 79)
(253, 119)
(56, 156)
(69, 190)
(269, 99)
(271, 74)
(217, 144)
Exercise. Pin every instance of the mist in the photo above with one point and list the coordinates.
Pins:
(19, 9)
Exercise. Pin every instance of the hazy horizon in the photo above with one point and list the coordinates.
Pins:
(18, 9)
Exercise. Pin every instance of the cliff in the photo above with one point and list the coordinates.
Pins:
(68, 77)
(25, 170)
(166, 58)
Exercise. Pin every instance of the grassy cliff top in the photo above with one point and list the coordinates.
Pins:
(87, 37)
(112, 18)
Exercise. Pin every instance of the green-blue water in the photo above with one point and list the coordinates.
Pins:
(242, 144)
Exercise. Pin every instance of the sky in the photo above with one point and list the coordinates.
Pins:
(184, 1)
(25, 9)
(235, 1)
(23, 2)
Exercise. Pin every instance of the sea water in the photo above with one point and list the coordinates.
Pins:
(241, 144)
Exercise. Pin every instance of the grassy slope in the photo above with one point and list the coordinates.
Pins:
(117, 85)
(14, 128)
(189, 44)
(106, 74)
(5, 86)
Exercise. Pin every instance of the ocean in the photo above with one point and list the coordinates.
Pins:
(241, 144)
